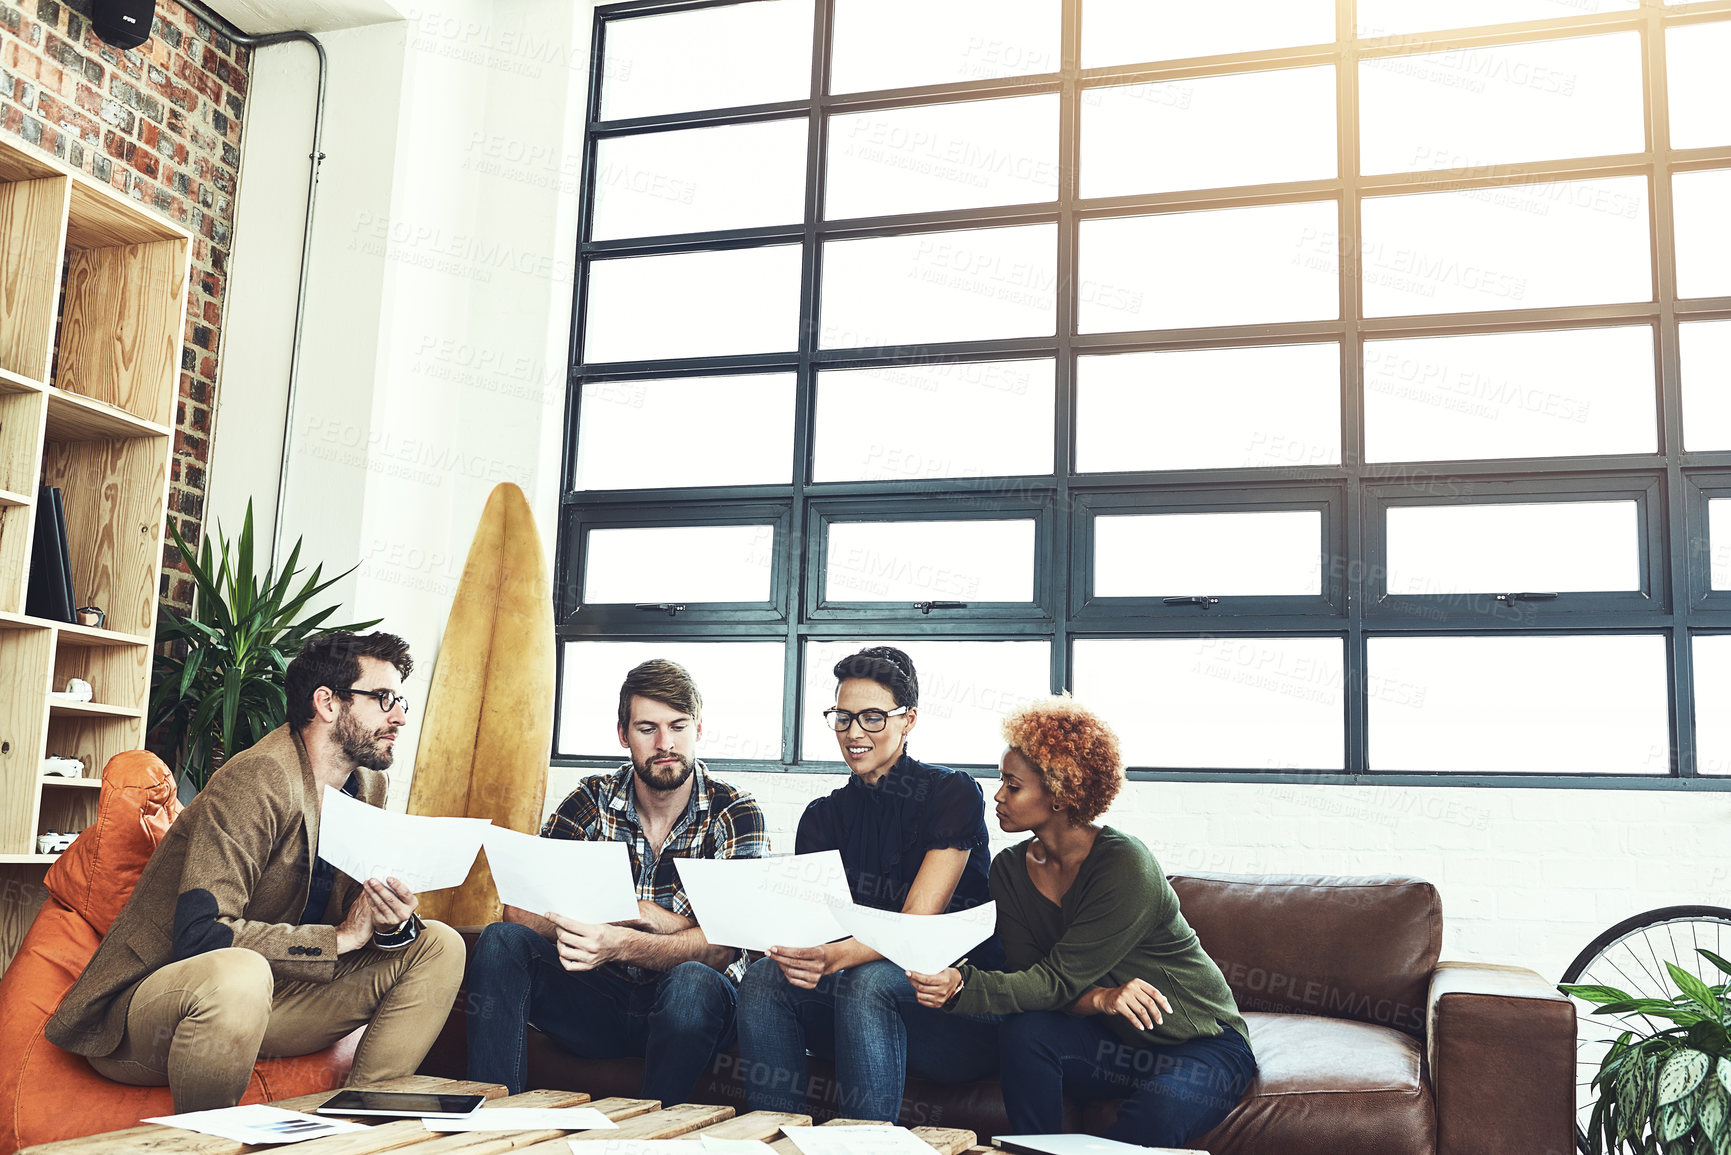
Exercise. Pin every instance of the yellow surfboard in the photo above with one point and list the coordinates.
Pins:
(488, 732)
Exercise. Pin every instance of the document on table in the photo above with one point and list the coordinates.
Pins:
(757, 903)
(735, 1146)
(878, 1140)
(926, 943)
(527, 1119)
(587, 881)
(257, 1123)
(636, 1147)
(423, 852)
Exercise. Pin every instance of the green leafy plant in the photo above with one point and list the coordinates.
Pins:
(1666, 1091)
(218, 687)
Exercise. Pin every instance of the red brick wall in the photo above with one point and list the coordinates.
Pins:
(161, 123)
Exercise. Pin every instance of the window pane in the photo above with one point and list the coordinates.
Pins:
(1706, 369)
(1221, 267)
(692, 305)
(916, 561)
(1219, 703)
(1393, 17)
(709, 58)
(1554, 547)
(738, 176)
(984, 419)
(662, 434)
(1703, 232)
(1512, 247)
(1210, 132)
(1712, 690)
(943, 156)
(1532, 705)
(1270, 553)
(1277, 405)
(740, 683)
(1719, 540)
(679, 563)
(1542, 394)
(1465, 109)
(961, 286)
(1143, 31)
(1700, 87)
(966, 688)
(956, 40)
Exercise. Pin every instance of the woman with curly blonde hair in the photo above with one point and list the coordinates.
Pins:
(1107, 991)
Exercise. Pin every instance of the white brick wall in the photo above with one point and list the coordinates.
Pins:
(1526, 876)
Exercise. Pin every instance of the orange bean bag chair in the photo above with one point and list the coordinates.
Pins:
(46, 1093)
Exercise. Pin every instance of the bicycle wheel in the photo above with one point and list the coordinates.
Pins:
(1632, 956)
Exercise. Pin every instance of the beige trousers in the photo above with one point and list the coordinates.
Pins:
(199, 1025)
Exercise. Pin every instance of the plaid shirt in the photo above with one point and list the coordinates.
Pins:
(720, 821)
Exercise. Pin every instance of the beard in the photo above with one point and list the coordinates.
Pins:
(665, 778)
(362, 746)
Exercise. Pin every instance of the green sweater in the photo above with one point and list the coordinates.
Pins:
(1119, 921)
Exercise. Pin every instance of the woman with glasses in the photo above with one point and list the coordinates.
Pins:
(912, 838)
(1106, 992)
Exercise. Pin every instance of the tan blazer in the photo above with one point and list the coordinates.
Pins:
(233, 871)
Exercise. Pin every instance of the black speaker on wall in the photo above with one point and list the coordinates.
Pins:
(123, 23)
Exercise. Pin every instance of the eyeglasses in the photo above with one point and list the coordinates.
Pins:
(871, 721)
(388, 700)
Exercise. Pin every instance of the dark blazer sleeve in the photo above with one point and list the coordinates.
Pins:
(242, 834)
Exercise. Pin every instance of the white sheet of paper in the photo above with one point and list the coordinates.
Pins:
(527, 1119)
(857, 1141)
(926, 943)
(257, 1123)
(636, 1147)
(587, 881)
(423, 852)
(735, 1146)
(757, 903)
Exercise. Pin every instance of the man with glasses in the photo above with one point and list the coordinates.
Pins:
(656, 987)
(240, 942)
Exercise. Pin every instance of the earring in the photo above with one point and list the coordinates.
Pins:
(1056, 809)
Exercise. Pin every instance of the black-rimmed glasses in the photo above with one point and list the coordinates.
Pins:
(871, 721)
(388, 700)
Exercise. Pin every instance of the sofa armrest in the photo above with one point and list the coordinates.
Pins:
(1501, 1046)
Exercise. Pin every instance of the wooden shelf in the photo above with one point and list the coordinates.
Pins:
(72, 635)
(24, 859)
(11, 382)
(59, 707)
(57, 780)
(10, 499)
(72, 417)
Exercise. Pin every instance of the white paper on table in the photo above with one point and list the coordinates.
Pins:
(757, 903)
(587, 881)
(925, 943)
(636, 1147)
(878, 1140)
(258, 1123)
(526, 1119)
(735, 1146)
(423, 852)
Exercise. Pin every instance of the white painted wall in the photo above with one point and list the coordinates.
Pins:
(434, 368)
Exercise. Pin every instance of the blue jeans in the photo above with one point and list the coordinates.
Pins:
(868, 1020)
(1173, 1094)
(676, 1023)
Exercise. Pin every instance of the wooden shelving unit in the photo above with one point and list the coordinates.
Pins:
(92, 301)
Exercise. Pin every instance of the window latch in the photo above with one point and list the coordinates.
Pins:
(667, 608)
(927, 607)
(1526, 597)
(1191, 600)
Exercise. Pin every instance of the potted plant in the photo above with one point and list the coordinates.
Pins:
(1665, 1090)
(217, 684)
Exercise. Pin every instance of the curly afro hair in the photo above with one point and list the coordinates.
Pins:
(1076, 753)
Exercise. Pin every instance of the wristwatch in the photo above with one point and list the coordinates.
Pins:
(400, 936)
(961, 982)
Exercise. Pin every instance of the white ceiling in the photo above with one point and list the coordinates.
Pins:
(261, 16)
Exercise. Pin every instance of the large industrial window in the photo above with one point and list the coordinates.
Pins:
(1323, 390)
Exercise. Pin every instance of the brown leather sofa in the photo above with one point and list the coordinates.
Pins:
(1366, 1043)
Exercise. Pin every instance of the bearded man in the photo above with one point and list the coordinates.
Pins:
(654, 987)
(240, 942)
